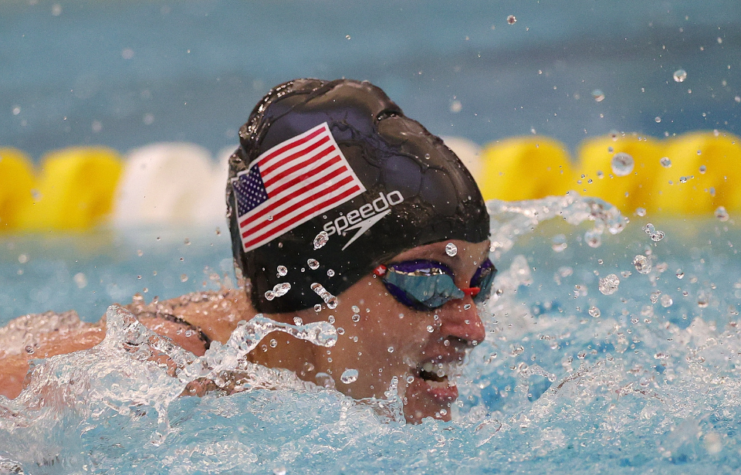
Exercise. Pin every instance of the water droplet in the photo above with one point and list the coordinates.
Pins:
(598, 95)
(320, 240)
(558, 243)
(331, 319)
(593, 238)
(665, 162)
(273, 343)
(622, 164)
(269, 295)
(594, 311)
(702, 300)
(183, 277)
(281, 289)
(656, 235)
(30, 349)
(658, 119)
(642, 264)
(430, 328)
(139, 252)
(330, 273)
(356, 318)
(451, 249)
(680, 75)
(641, 212)
(703, 169)
(721, 213)
(456, 107)
(80, 280)
(318, 308)
(680, 274)
(332, 303)
(666, 301)
(348, 37)
(282, 271)
(298, 321)
(609, 285)
(186, 242)
(356, 309)
(349, 376)
(23, 258)
(511, 19)
(313, 264)
(391, 349)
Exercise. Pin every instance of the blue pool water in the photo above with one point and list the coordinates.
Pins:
(641, 384)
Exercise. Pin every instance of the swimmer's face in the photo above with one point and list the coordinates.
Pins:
(393, 340)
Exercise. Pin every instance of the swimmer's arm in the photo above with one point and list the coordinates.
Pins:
(14, 367)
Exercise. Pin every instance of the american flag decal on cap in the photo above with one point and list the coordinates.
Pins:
(290, 184)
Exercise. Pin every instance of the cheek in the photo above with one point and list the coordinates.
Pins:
(384, 323)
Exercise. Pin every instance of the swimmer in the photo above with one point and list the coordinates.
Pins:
(341, 209)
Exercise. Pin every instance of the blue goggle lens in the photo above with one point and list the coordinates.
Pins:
(425, 285)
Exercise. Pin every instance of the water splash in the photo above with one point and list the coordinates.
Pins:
(511, 219)
(552, 387)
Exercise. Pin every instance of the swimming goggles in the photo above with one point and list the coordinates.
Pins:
(425, 285)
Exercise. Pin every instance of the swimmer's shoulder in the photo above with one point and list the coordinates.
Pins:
(203, 316)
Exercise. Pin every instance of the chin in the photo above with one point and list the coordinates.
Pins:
(427, 398)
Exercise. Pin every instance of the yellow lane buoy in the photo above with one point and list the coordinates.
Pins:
(75, 189)
(523, 168)
(702, 172)
(619, 169)
(16, 183)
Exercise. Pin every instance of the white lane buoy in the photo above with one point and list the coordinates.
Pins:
(211, 209)
(469, 152)
(163, 183)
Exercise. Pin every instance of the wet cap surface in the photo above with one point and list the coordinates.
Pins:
(417, 191)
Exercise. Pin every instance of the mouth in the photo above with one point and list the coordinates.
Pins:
(436, 378)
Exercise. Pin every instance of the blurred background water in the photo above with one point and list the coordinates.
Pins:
(128, 73)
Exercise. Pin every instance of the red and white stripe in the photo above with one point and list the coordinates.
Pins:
(304, 177)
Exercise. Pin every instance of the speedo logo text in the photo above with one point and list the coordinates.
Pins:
(363, 217)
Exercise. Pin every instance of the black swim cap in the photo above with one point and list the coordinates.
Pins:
(339, 157)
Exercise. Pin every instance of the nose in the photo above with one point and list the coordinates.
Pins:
(460, 319)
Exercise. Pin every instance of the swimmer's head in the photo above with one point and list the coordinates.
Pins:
(338, 161)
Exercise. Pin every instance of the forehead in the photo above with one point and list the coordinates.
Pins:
(466, 253)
